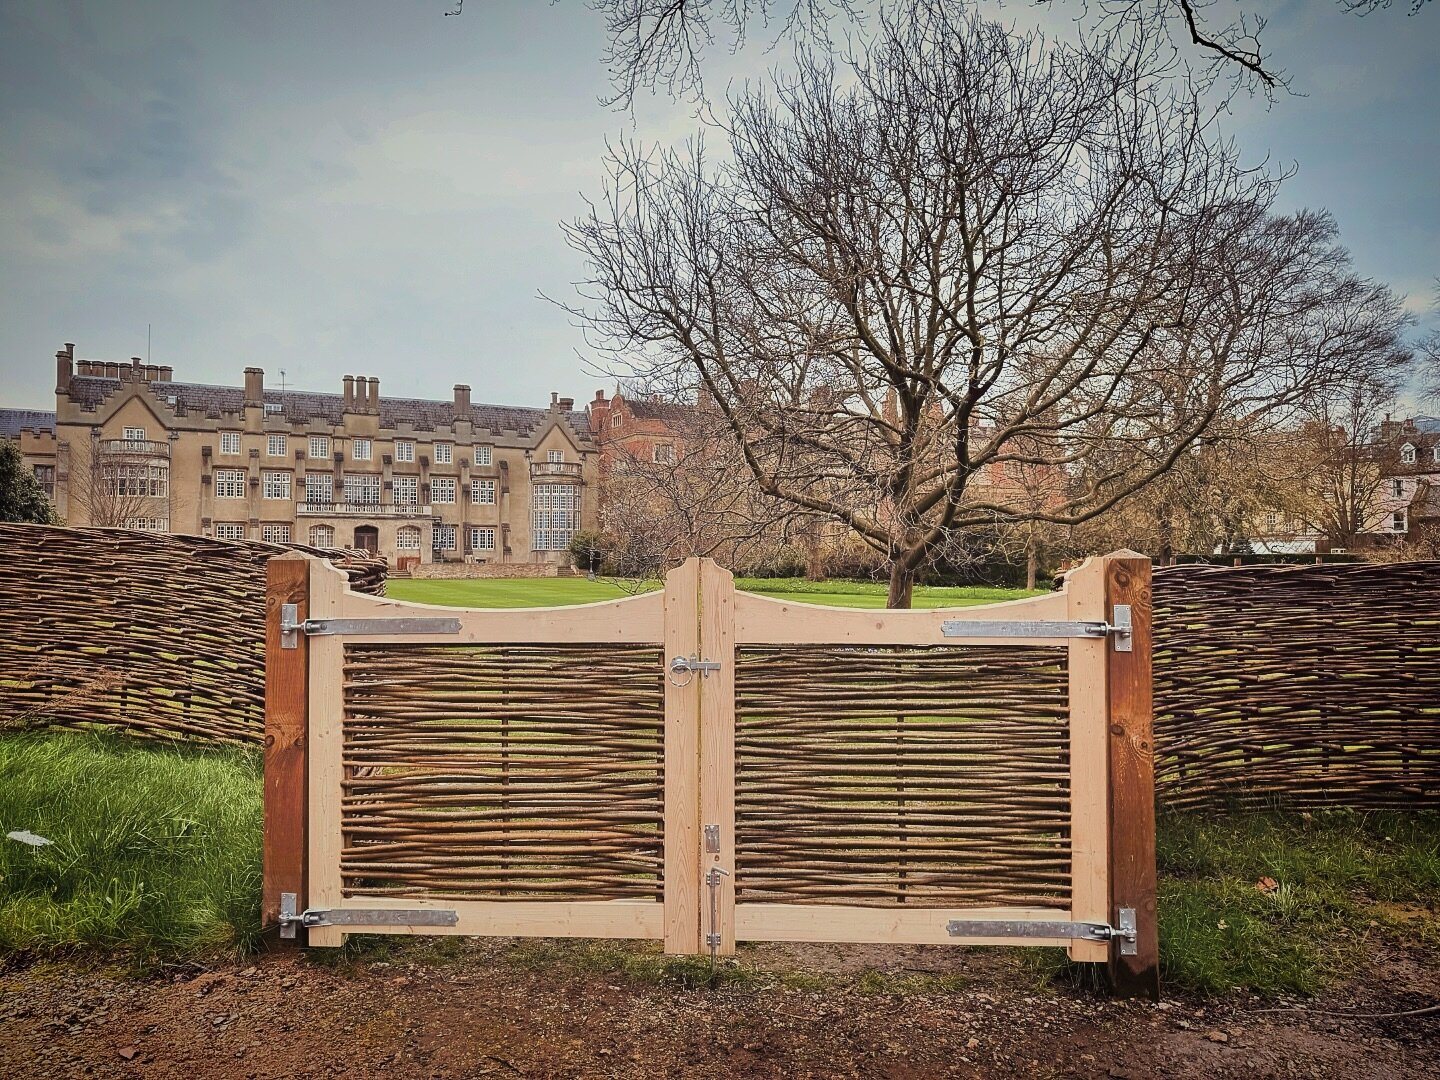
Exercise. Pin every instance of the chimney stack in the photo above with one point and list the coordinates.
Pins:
(554, 400)
(349, 393)
(462, 402)
(254, 386)
(165, 372)
(64, 368)
(374, 398)
(567, 404)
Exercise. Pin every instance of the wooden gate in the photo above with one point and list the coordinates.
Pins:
(703, 766)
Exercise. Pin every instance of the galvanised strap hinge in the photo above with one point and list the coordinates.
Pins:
(290, 625)
(1125, 933)
(291, 918)
(1120, 629)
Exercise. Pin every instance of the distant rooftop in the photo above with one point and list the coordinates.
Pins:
(303, 405)
(14, 421)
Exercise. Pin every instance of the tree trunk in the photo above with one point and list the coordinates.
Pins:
(1032, 568)
(902, 586)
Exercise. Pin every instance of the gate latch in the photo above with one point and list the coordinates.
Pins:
(690, 665)
(291, 624)
(1125, 933)
(290, 917)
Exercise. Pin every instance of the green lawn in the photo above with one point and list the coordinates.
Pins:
(155, 854)
(558, 592)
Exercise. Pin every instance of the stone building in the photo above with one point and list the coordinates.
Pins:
(417, 481)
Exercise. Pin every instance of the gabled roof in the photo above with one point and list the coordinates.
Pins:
(14, 421)
(302, 405)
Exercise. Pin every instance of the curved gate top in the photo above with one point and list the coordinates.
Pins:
(702, 766)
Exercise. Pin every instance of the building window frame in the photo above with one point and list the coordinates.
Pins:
(444, 453)
(230, 483)
(443, 537)
(482, 492)
(442, 490)
(319, 448)
(273, 441)
(407, 538)
(230, 530)
(404, 450)
(482, 538)
(360, 449)
(230, 443)
(484, 457)
(275, 533)
(322, 536)
(1407, 454)
(275, 484)
(554, 516)
(555, 457)
(406, 491)
(364, 485)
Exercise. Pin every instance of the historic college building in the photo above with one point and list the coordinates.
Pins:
(417, 481)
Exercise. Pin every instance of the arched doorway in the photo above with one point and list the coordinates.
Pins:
(367, 538)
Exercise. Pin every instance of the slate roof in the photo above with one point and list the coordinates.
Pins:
(303, 405)
(13, 421)
(643, 409)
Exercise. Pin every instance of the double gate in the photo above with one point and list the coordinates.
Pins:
(702, 766)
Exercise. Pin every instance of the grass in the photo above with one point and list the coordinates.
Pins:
(1287, 903)
(558, 592)
(155, 852)
(156, 856)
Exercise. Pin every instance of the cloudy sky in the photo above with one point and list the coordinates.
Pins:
(367, 186)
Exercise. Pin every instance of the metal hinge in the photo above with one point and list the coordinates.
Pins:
(290, 626)
(290, 918)
(1041, 628)
(1125, 933)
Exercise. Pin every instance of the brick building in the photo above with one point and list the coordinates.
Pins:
(417, 481)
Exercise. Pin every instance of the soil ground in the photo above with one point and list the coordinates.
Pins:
(478, 1012)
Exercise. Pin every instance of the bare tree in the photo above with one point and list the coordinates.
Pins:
(696, 498)
(965, 250)
(1428, 350)
(662, 44)
(120, 484)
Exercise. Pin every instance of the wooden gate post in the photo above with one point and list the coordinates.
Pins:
(287, 581)
(1132, 779)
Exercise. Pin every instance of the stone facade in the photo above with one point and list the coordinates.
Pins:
(417, 481)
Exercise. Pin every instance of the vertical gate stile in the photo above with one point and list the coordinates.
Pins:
(682, 760)
(1089, 760)
(717, 746)
(1132, 781)
(287, 579)
(327, 747)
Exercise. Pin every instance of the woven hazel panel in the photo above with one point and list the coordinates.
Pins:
(936, 776)
(156, 635)
(1302, 686)
(504, 771)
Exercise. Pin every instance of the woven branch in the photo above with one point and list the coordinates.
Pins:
(1302, 686)
(157, 635)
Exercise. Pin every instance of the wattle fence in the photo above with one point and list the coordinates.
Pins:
(1301, 686)
(154, 634)
(1274, 685)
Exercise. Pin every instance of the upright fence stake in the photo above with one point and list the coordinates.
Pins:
(682, 764)
(287, 581)
(1132, 779)
(717, 749)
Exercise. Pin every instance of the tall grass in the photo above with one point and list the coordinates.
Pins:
(155, 850)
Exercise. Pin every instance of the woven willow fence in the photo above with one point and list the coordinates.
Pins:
(1297, 685)
(159, 635)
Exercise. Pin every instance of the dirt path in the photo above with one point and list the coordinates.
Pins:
(481, 1015)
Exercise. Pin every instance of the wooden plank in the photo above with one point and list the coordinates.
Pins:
(1132, 779)
(878, 925)
(1089, 770)
(760, 620)
(287, 581)
(633, 619)
(327, 743)
(682, 762)
(523, 918)
(717, 745)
